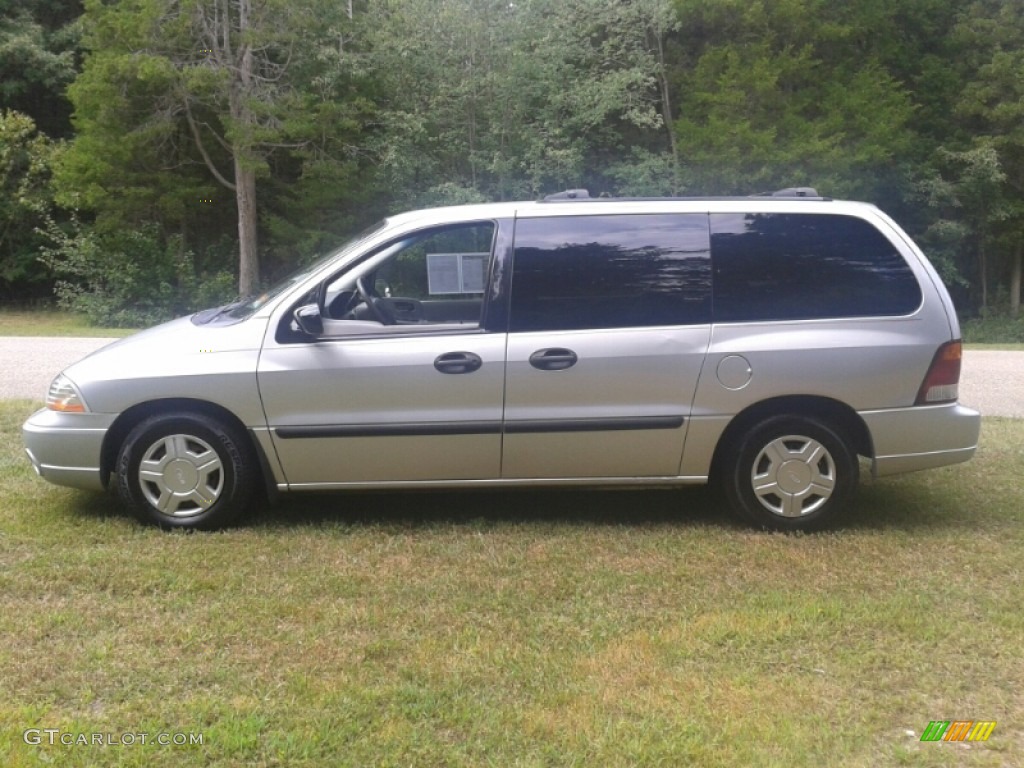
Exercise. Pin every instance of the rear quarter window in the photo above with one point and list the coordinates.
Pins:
(806, 266)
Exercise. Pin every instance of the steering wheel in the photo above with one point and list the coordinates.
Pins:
(379, 308)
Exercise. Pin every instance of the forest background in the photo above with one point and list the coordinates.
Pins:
(157, 156)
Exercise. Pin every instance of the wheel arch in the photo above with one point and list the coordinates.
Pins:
(132, 417)
(840, 416)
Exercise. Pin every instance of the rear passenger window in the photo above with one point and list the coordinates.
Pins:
(577, 272)
(800, 266)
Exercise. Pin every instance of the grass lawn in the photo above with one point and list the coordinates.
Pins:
(52, 323)
(996, 347)
(996, 332)
(518, 629)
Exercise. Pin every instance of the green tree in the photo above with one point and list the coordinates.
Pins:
(991, 110)
(783, 93)
(966, 192)
(176, 100)
(127, 278)
(25, 199)
(492, 99)
(39, 43)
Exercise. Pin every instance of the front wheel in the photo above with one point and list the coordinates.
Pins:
(186, 471)
(791, 473)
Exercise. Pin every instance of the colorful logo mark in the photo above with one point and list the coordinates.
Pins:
(958, 730)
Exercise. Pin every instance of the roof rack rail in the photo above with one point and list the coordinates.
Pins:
(569, 194)
(582, 195)
(790, 192)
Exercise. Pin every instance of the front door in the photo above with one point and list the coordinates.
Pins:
(405, 384)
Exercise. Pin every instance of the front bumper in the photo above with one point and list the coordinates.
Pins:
(921, 437)
(65, 448)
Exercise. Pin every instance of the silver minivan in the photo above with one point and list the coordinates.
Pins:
(763, 343)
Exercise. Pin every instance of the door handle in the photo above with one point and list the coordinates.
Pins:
(458, 362)
(553, 359)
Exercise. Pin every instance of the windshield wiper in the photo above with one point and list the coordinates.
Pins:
(209, 315)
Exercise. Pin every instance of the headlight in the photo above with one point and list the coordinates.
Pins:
(65, 397)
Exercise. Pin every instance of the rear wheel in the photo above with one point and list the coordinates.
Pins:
(186, 471)
(791, 473)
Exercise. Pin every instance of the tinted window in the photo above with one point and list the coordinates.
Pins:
(574, 272)
(795, 267)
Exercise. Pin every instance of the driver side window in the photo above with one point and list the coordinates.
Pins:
(428, 278)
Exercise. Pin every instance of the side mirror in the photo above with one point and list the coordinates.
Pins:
(309, 320)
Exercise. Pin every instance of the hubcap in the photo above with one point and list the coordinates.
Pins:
(793, 476)
(181, 475)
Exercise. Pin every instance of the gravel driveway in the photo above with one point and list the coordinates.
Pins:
(31, 362)
(992, 382)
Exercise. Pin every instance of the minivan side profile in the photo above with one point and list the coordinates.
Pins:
(764, 344)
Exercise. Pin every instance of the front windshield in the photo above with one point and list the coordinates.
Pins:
(248, 305)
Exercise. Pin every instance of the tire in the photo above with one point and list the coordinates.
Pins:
(186, 471)
(790, 473)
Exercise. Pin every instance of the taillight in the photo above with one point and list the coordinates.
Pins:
(941, 383)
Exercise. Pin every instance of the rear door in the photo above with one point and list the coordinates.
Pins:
(608, 327)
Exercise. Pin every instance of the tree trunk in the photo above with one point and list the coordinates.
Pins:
(1015, 280)
(983, 273)
(245, 173)
(248, 255)
(666, 109)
